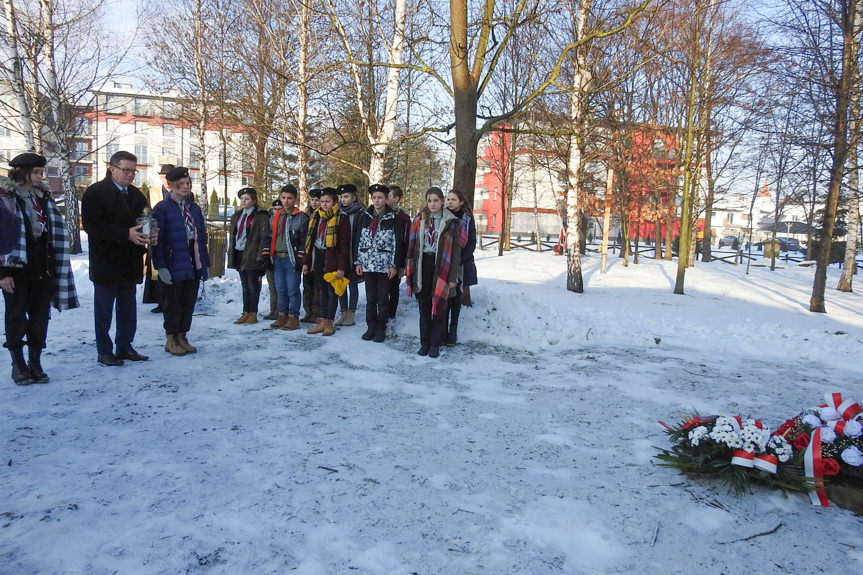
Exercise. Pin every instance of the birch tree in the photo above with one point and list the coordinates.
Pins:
(15, 74)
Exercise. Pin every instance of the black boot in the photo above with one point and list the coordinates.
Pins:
(39, 376)
(452, 335)
(20, 371)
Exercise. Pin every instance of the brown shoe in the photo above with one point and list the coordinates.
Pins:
(252, 317)
(242, 318)
(184, 343)
(292, 323)
(319, 327)
(280, 322)
(328, 327)
(172, 345)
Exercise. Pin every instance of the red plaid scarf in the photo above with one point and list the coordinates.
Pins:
(440, 297)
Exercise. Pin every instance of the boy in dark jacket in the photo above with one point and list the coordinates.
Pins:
(328, 248)
(181, 258)
(285, 248)
(379, 239)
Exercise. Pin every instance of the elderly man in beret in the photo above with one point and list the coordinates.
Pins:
(109, 211)
(34, 264)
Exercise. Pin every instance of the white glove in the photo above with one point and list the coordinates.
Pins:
(165, 276)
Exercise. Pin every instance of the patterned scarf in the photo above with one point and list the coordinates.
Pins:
(332, 218)
(65, 296)
(440, 297)
(463, 228)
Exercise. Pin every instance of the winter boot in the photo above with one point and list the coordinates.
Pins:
(319, 327)
(20, 371)
(242, 318)
(184, 343)
(451, 337)
(280, 323)
(292, 323)
(328, 327)
(348, 318)
(370, 333)
(380, 333)
(434, 351)
(251, 317)
(172, 344)
(36, 372)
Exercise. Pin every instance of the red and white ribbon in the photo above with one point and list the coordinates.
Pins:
(847, 408)
(766, 462)
(743, 458)
(813, 466)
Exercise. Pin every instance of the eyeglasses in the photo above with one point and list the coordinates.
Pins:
(127, 171)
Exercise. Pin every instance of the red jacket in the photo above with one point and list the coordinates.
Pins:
(337, 258)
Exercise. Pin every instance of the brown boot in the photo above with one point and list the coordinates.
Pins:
(252, 317)
(172, 345)
(319, 327)
(328, 327)
(292, 323)
(280, 323)
(184, 343)
(242, 318)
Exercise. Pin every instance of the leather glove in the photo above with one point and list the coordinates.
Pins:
(267, 261)
(165, 276)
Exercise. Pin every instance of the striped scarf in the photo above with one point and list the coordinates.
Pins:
(332, 217)
(65, 296)
(463, 227)
(440, 296)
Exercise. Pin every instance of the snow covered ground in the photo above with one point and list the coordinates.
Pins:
(526, 449)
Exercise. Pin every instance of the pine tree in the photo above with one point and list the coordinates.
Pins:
(213, 210)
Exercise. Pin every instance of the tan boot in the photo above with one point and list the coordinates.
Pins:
(328, 327)
(242, 318)
(280, 322)
(172, 345)
(345, 318)
(292, 323)
(184, 343)
(319, 327)
(252, 317)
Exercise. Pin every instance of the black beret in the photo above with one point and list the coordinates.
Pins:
(165, 169)
(177, 173)
(315, 193)
(28, 160)
(378, 188)
(252, 191)
(347, 189)
(332, 192)
(277, 203)
(291, 188)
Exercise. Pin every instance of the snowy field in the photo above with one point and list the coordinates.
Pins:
(526, 449)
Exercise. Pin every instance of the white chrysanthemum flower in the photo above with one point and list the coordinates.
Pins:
(827, 435)
(812, 420)
(852, 456)
(853, 428)
(829, 413)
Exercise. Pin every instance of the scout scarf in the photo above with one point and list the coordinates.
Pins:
(440, 296)
(331, 217)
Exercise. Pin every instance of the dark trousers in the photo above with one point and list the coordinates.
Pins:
(311, 298)
(431, 327)
(274, 291)
(27, 312)
(104, 300)
(329, 299)
(395, 285)
(377, 300)
(348, 300)
(178, 305)
(453, 310)
(251, 282)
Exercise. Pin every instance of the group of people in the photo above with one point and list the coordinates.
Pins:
(328, 249)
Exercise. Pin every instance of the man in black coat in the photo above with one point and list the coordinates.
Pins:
(109, 210)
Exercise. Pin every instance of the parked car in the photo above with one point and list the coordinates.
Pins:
(730, 241)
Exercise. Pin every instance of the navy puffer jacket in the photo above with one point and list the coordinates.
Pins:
(173, 249)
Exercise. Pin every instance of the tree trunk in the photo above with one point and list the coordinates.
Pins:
(850, 48)
(58, 126)
(606, 217)
(18, 75)
(303, 104)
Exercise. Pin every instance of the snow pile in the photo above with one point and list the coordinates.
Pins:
(525, 449)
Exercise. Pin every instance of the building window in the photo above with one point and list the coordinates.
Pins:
(246, 181)
(4, 130)
(111, 125)
(169, 110)
(80, 151)
(141, 153)
(52, 171)
(142, 107)
(167, 130)
(140, 127)
(110, 150)
(169, 151)
(82, 126)
(193, 133)
(81, 175)
(194, 159)
(730, 218)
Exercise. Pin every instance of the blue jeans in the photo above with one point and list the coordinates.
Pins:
(287, 285)
(104, 300)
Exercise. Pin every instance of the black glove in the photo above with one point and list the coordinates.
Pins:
(267, 261)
